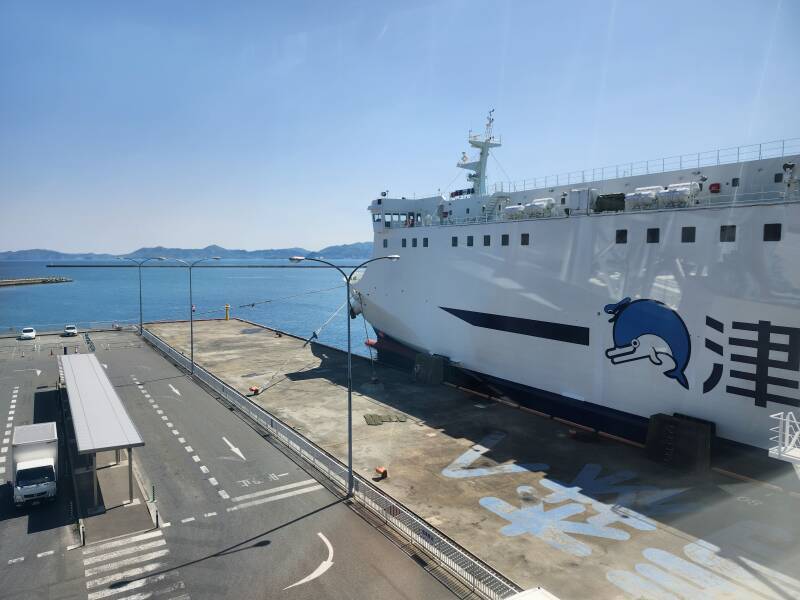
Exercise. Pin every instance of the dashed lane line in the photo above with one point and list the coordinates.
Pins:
(187, 520)
(213, 481)
(47, 553)
(16, 560)
(223, 494)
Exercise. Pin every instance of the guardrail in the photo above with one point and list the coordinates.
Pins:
(697, 160)
(787, 438)
(467, 567)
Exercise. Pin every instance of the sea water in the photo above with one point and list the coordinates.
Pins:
(295, 300)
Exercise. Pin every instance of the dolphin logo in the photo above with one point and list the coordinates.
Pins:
(634, 321)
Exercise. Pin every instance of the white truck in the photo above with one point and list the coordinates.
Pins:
(34, 460)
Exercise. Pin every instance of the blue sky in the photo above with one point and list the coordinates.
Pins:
(259, 125)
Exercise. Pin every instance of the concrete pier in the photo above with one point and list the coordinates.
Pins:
(33, 281)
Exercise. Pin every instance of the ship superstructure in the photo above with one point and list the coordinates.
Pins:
(669, 286)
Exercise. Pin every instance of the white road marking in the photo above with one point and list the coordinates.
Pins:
(178, 585)
(187, 520)
(164, 417)
(11, 412)
(4, 449)
(223, 494)
(210, 514)
(6, 440)
(196, 458)
(147, 396)
(175, 432)
(159, 411)
(123, 575)
(124, 552)
(233, 448)
(155, 406)
(204, 469)
(2, 459)
(188, 448)
(16, 560)
(140, 386)
(169, 424)
(121, 542)
(43, 554)
(167, 524)
(113, 566)
(105, 366)
(281, 488)
(133, 585)
(172, 387)
(213, 481)
(181, 440)
(313, 488)
(323, 566)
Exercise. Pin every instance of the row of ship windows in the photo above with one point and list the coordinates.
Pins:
(727, 233)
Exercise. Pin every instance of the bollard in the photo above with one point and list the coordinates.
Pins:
(227, 312)
(76, 348)
(153, 499)
(156, 518)
(65, 349)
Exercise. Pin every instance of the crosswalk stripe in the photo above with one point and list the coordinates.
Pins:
(274, 490)
(93, 560)
(179, 585)
(313, 488)
(122, 542)
(126, 562)
(122, 575)
(133, 585)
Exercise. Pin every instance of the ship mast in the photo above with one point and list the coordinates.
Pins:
(478, 167)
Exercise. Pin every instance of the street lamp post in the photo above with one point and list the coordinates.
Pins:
(393, 258)
(191, 303)
(139, 264)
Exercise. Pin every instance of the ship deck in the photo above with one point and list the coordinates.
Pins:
(581, 516)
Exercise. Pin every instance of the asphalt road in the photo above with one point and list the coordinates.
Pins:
(239, 519)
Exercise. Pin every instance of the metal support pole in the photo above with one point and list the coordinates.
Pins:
(130, 474)
(117, 456)
(94, 477)
(140, 298)
(191, 320)
(350, 482)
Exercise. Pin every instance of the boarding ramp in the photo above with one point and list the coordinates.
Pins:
(99, 419)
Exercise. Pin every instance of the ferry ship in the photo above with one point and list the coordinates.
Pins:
(608, 295)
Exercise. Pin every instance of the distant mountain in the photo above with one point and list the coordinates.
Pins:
(361, 250)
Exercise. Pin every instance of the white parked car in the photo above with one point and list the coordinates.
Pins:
(70, 330)
(27, 333)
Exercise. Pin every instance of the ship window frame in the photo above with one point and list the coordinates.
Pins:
(773, 232)
(735, 182)
(487, 240)
(470, 240)
(403, 244)
(468, 211)
(385, 243)
(621, 236)
(727, 233)
(454, 241)
(424, 242)
(504, 239)
(524, 239)
(653, 235)
(688, 234)
(778, 178)
(413, 242)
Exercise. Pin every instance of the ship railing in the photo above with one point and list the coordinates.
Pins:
(787, 438)
(457, 560)
(697, 160)
(717, 201)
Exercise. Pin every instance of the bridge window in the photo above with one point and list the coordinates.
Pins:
(727, 233)
(413, 242)
(385, 243)
(469, 240)
(454, 241)
(735, 182)
(504, 239)
(487, 240)
(424, 242)
(404, 242)
(387, 220)
(377, 217)
(688, 234)
(622, 236)
(404, 219)
(525, 239)
(772, 232)
(467, 211)
(653, 233)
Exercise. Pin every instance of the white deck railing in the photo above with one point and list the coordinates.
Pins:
(787, 438)
(720, 156)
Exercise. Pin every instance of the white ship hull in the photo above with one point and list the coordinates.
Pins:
(540, 315)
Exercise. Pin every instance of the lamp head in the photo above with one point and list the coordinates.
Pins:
(393, 257)
(159, 258)
(216, 258)
(297, 259)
